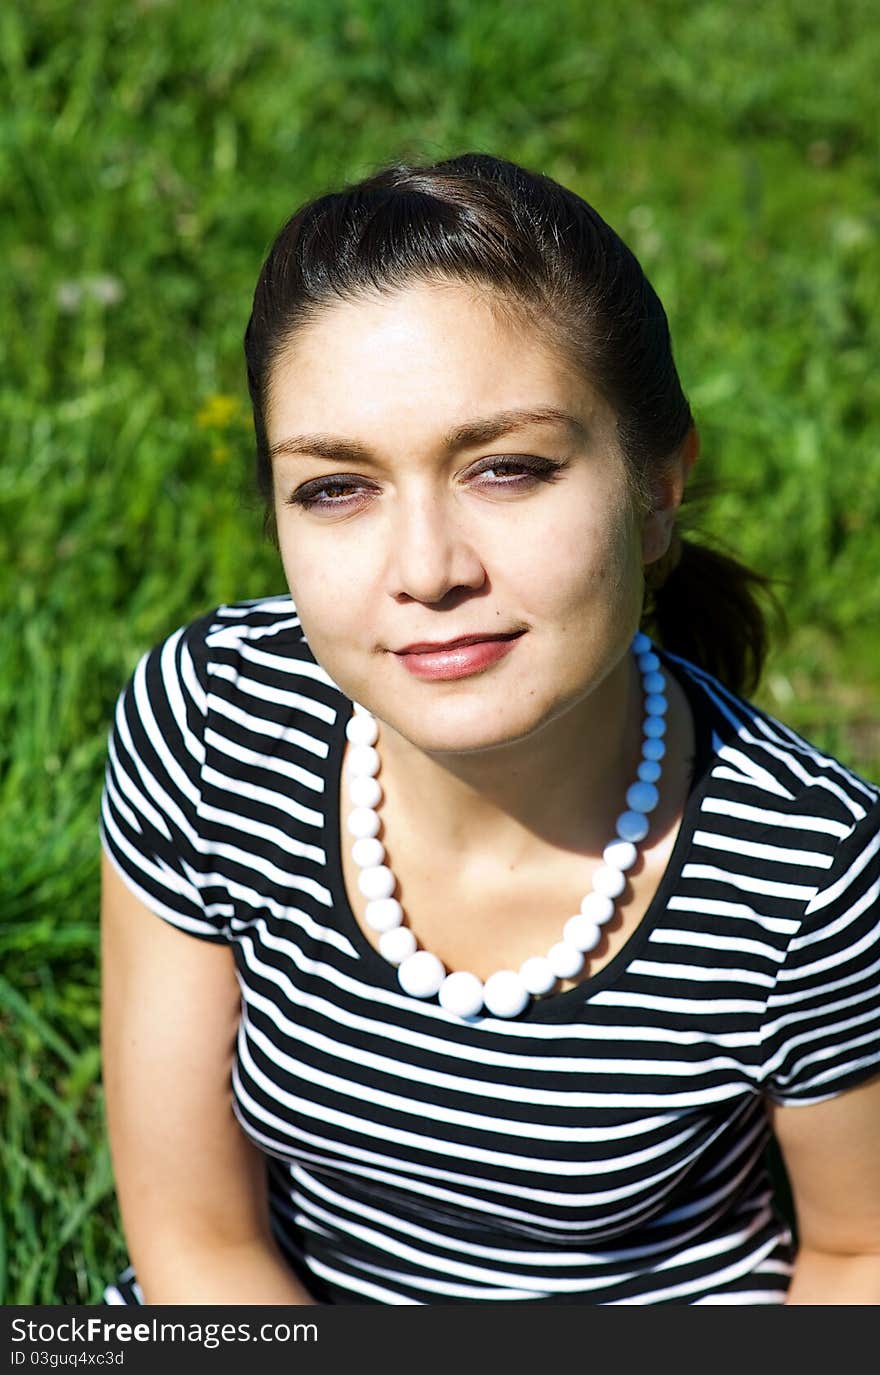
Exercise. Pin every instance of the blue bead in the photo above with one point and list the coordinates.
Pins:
(642, 797)
(654, 727)
(649, 771)
(640, 643)
(632, 826)
(648, 663)
(654, 682)
(653, 749)
(656, 704)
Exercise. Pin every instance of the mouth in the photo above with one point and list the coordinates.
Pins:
(462, 658)
(442, 646)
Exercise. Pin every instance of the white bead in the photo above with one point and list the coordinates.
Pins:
(367, 852)
(582, 933)
(363, 821)
(505, 994)
(383, 914)
(361, 729)
(597, 908)
(653, 749)
(654, 682)
(537, 976)
(363, 761)
(565, 960)
(654, 726)
(620, 854)
(656, 704)
(642, 797)
(395, 945)
(640, 643)
(609, 882)
(632, 826)
(364, 791)
(421, 974)
(462, 994)
(648, 663)
(649, 771)
(377, 882)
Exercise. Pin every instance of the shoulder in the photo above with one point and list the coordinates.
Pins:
(256, 647)
(231, 630)
(785, 851)
(215, 719)
(764, 774)
(241, 669)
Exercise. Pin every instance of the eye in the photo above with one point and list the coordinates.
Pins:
(311, 494)
(534, 469)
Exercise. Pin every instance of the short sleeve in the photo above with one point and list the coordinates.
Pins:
(821, 1033)
(151, 802)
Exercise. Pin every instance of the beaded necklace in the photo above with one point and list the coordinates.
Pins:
(507, 992)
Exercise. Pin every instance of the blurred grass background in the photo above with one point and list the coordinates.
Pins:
(148, 154)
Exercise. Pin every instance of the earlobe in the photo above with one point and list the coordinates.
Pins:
(657, 572)
(657, 529)
(659, 534)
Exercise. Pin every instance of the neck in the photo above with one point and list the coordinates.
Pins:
(563, 786)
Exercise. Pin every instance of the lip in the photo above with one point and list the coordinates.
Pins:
(439, 646)
(460, 659)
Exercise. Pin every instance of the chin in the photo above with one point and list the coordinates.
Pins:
(478, 728)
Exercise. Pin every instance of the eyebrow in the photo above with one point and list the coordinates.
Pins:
(466, 436)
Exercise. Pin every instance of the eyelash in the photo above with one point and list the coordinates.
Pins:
(541, 470)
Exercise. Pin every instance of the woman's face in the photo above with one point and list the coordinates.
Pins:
(414, 532)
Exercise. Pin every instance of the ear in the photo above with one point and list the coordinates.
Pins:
(668, 487)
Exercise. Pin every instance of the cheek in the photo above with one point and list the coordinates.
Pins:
(317, 571)
(582, 564)
(329, 594)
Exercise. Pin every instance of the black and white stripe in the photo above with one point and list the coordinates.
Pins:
(607, 1147)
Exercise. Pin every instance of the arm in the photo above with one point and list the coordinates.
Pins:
(832, 1156)
(192, 1189)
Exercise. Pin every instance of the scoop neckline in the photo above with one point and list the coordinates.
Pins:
(555, 1007)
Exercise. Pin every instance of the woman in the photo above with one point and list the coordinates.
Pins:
(519, 928)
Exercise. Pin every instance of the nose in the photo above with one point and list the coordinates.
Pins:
(431, 551)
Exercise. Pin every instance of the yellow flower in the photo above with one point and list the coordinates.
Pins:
(218, 412)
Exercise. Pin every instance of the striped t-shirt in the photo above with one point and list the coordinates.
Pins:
(605, 1147)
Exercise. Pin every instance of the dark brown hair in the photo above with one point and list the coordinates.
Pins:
(550, 259)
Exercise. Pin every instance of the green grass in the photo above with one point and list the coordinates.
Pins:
(148, 153)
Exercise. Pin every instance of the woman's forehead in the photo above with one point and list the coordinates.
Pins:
(445, 348)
